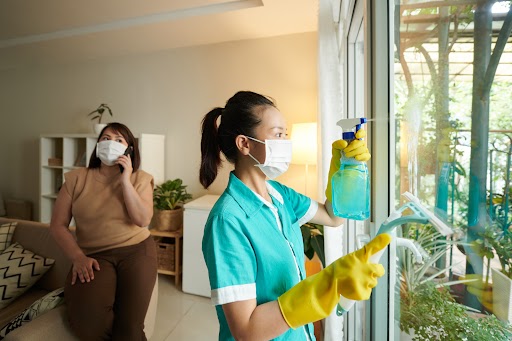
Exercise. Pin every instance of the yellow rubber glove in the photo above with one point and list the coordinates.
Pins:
(356, 149)
(351, 276)
(481, 290)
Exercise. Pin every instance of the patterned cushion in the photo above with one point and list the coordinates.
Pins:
(6, 232)
(39, 307)
(19, 270)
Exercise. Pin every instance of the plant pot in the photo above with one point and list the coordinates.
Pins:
(312, 266)
(98, 127)
(168, 220)
(502, 300)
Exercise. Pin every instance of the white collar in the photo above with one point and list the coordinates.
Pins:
(271, 191)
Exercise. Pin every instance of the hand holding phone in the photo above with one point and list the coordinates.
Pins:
(128, 151)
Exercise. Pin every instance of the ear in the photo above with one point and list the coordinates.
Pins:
(242, 143)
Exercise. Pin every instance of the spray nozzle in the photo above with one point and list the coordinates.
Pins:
(350, 126)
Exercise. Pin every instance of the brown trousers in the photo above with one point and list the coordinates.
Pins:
(113, 306)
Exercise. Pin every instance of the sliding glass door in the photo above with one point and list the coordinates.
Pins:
(452, 126)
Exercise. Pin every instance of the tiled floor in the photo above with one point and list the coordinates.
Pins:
(182, 316)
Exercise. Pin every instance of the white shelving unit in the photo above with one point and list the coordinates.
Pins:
(60, 153)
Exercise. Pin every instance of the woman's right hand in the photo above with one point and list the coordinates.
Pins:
(83, 268)
(352, 276)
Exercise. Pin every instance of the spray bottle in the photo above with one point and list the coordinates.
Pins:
(351, 183)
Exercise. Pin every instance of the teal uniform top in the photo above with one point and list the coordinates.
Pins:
(254, 249)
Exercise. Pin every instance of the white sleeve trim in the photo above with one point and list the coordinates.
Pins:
(310, 213)
(233, 293)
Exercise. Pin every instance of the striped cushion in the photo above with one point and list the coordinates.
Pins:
(39, 307)
(6, 232)
(19, 270)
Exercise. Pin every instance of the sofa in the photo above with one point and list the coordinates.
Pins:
(52, 325)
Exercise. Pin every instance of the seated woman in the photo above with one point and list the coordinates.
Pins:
(114, 269)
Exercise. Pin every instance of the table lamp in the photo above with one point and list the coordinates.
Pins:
(304, 142)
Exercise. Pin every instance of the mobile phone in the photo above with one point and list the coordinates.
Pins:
(128, 151)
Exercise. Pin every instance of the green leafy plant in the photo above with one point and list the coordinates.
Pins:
(427, 307)
(433, 314)
(313, 237)
(170, 194)
(433, 247)
(98, 113)
(494, 238)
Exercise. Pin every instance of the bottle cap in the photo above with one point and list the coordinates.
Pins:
(349, 135)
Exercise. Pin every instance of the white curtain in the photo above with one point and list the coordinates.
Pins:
(330, 111)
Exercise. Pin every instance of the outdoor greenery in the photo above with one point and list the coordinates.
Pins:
(441, 157)
(496, 241)
(170, 194)
(427, 306)
(433, 314)
(433, 247)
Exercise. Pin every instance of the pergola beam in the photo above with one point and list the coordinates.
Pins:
(435, 4)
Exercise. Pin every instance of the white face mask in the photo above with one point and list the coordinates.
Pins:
(278, 155)
(109, 151)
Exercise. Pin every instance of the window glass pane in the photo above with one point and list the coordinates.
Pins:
(452, 82)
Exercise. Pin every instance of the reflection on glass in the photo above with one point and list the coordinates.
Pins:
(452, 81)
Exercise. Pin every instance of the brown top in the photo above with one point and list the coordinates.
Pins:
(101, 217)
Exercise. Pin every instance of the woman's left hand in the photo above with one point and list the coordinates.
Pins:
(126, 162)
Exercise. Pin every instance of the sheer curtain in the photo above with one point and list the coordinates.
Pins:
(330, 111)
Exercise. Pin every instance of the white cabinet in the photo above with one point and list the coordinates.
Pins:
(195, 274)
(60, 153)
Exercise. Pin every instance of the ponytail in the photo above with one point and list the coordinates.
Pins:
(210, 149)
(239, 117)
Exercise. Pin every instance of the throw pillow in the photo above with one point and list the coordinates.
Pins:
(19, 270)
(39, 307)
(6, 232)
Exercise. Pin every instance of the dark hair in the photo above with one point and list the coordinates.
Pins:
(239, 117)
(120, 128)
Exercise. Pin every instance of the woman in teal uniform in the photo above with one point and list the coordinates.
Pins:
(252, 243)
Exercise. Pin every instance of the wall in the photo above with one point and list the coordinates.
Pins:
(163, 93)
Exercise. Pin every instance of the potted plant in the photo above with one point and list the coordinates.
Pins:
(428, 309)
(430, 313)
(501, 242)
(98, 114)
(423, 288)
(313, 238)
(167, 197)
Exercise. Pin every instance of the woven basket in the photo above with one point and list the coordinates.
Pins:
(165, 253)
(168, 220)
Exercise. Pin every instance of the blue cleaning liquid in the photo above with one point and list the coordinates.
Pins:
(351, 190)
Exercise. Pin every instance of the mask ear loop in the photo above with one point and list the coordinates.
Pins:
(252, 138)
(258, 163)
(252, 157)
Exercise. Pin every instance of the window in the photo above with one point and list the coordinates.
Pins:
(453, 130)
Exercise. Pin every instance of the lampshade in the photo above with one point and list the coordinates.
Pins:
(304, 143)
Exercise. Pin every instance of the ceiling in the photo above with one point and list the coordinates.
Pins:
(36, 32)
